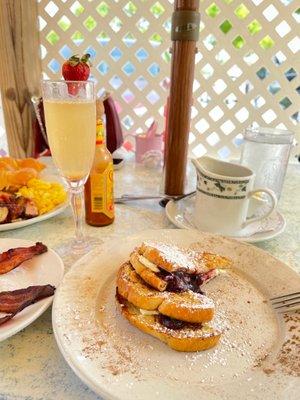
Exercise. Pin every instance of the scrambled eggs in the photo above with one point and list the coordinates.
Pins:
(46, 195)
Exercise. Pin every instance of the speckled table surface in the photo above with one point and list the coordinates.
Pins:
(31, 366)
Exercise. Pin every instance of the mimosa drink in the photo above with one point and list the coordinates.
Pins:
(71, 133)
(70, 116)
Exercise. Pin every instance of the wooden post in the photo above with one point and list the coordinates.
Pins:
(180, 102)
(20, 71)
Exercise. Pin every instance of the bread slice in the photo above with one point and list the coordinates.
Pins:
(172, 258)
(147, 274)
(214, 261)
(133, 288)
(188, 306)
(188, 338)
(185, 306)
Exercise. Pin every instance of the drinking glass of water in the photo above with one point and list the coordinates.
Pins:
(266, 151)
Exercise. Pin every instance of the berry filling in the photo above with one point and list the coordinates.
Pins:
(175, 324)
(181, 281)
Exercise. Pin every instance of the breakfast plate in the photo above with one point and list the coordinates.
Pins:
(26, 222)
(44, 269)
(48, 177)
(256, 357)
(180, 213)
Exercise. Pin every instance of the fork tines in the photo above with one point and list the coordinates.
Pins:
(287, 302)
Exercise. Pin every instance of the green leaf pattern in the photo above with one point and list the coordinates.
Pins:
(221, 186)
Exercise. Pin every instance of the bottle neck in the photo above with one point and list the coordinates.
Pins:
(100, 139)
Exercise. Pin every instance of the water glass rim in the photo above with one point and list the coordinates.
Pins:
(269, 131)
(268, 135)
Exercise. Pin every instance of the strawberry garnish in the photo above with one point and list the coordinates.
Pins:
(76, 68)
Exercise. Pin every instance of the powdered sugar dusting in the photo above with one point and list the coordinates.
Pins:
(129, 364)
(238, 349)
(182, 259)
(123, 348)
(190, 300)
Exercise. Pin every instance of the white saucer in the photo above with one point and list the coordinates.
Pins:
(180, 213)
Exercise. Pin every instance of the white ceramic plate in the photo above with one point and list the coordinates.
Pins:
(180, 213)
(119, 362)
(44, 269)
(45, 175)
(21, 224)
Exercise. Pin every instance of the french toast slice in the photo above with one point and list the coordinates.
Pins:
(173, 259)
(188, 338)
(179, 280)
(185, 306)
(133, 288)
(147, 274)
(168, 267)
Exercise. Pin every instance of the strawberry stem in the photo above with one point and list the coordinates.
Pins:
(74, 60)
(85, 58)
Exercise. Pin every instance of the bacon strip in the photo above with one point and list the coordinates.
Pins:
(12, 258)
(14, 301)
(6, 318)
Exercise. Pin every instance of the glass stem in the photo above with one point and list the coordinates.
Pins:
(77, 203)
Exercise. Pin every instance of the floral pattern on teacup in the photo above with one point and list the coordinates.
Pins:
(223, 188)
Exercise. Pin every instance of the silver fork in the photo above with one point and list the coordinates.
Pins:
(127, 197)
(286, 302)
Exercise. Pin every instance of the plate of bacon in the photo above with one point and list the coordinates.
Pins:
(29, 275)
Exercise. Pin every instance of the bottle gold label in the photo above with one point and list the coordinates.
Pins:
(99, 132)
(102, 194)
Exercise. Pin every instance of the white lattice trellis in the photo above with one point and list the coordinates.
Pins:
(247, 67)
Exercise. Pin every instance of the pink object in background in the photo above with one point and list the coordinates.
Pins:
(147, 142)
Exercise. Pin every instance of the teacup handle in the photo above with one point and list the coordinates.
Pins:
(273, 198)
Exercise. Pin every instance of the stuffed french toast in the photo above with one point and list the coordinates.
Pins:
(159, 292)
(168, 267)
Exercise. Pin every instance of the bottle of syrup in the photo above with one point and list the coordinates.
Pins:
(98, 190)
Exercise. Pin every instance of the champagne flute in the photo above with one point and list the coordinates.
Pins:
(70, 116)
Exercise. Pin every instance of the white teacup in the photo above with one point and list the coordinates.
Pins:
(222, 198)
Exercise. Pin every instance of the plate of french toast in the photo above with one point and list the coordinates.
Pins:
(172, 314)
